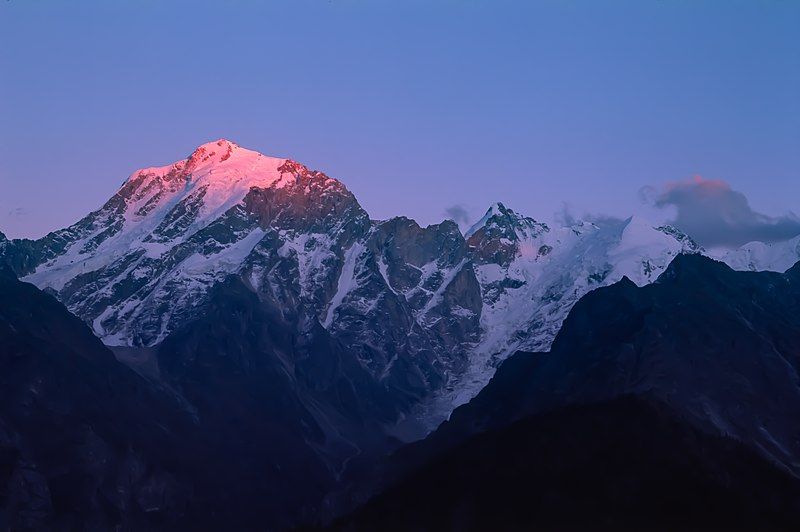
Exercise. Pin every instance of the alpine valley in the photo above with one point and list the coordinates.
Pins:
(232, 341)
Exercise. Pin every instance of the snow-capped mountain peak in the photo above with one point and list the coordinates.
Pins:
(532, 274)
(496, 215)
(216, 176)
(500, 235)
(179, 227)
(493, 210)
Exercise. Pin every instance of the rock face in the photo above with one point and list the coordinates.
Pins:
(673, 402)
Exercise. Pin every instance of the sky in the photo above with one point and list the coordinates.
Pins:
(428, 109)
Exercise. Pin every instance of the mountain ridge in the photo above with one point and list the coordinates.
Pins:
(703, 360)
(431, 302)
(262, 298)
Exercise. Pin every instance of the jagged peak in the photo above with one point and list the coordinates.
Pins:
(496, 210)
(445, 226)
(680, 236)
(507, 220)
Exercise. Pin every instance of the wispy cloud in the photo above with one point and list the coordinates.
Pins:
(18, 212)
(459, 214)
(566, 217)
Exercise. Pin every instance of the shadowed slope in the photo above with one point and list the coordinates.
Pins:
(684, 391)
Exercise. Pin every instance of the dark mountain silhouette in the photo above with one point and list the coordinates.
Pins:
(673, 404)
(86, 443)
(627, 463)
(221, 435)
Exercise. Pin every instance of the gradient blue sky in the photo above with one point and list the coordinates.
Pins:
(415, 105)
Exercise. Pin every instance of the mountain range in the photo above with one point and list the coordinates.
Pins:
(672, 405)
(260, 311)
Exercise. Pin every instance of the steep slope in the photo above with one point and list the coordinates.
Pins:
(685, 390)
(247, 425)
(143, 265)
(532, 271)
(718, 345)
(531, 274)
(135, 268)
(625, 464)
(285, 412)
(85, 442)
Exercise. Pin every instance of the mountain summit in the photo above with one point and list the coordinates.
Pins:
(135, 266)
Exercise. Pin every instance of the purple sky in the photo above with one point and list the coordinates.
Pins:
(416, 106)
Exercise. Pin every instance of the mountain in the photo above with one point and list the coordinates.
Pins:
(428, 313)
(717, 344)
(671, 404)
(85, 443)
(531, 274)
(625, 464)
(283, 412)
(282, 342)
(134, 268)
(141, 266)
(224, 429)
(761, 256)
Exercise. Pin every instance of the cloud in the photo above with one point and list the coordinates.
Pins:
(714, 214)
(19, 211)
(565, 217)
(603, 220)
(459, 214)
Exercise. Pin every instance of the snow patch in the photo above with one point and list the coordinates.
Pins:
(347, 281)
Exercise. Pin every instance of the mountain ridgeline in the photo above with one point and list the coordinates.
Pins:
(426, 311)
(671, 405)
(240, 341)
